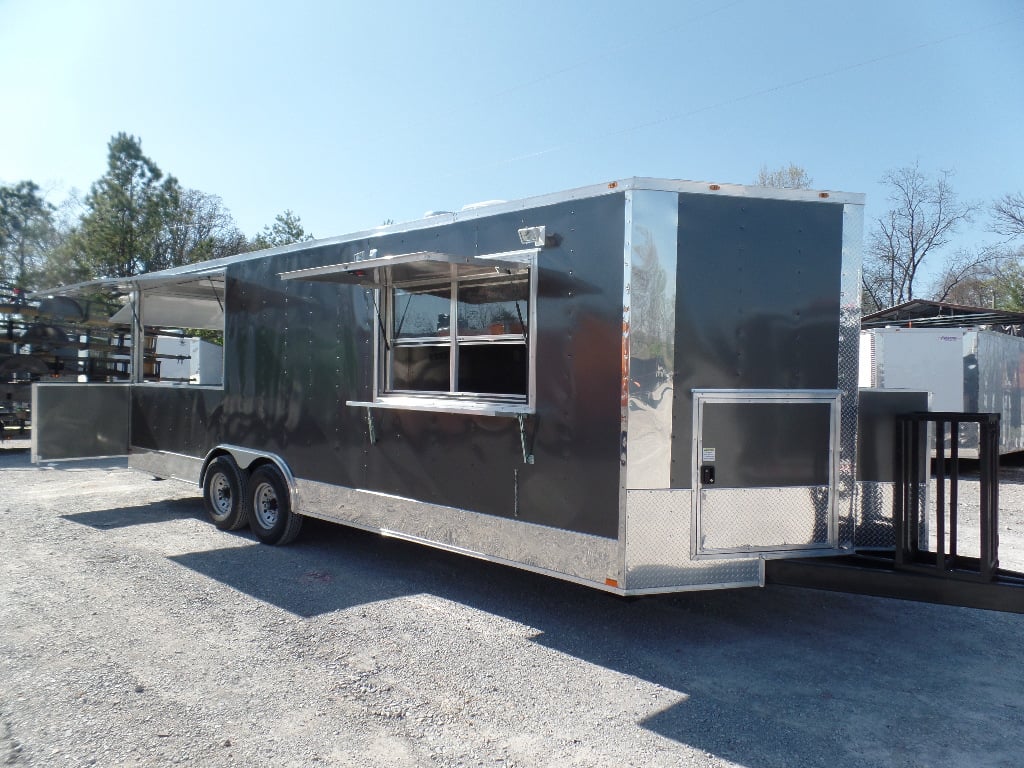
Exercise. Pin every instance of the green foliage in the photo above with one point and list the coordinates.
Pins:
(998, 285)
(26, 232)
(1011, 286)
(137, 220)
(64, 264)
(126, 210)
(197, 227)
(286, 229)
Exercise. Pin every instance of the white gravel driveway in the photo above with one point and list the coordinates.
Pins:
(134, 633)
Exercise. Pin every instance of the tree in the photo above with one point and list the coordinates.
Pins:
(973, 278)
(1008, 215)
(26, 232)
(1009, 286)
(125, 213)
(786, 177)
(196, 227)
(286, 229)
(63, 263)
(925, 213)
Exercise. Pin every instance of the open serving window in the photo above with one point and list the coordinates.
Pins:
(176, 319)
(178, 328)
(454, 333)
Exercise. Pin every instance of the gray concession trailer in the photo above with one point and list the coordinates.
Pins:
(642, 386)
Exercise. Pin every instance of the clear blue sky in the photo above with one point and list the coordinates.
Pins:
(352, 113)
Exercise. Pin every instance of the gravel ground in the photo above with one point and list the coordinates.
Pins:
(134, 633)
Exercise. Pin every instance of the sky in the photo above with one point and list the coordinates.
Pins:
(353, 113)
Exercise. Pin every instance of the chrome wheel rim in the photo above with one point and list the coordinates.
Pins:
(265, 505)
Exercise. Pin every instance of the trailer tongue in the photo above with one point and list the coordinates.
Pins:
(910, 570)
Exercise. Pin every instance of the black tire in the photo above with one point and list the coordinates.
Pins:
(224, 494)
(269, 507)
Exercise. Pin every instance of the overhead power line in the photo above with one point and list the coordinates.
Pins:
(744, 97)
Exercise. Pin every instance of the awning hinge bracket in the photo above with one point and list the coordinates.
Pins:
(527, 455)
(371, 429)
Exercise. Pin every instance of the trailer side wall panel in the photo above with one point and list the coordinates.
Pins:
(758, 306)
(297, 351)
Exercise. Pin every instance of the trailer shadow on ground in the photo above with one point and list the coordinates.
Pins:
(759, 673)
(144, 514)
(755, 675)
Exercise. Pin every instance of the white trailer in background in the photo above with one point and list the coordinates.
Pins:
(189, 360)
(965, 369)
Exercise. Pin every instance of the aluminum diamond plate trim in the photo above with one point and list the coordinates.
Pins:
(849, 371)
(658, 548)
(875, 504)
(875, 509)
(734, 520)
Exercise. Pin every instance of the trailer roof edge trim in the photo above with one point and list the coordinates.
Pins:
(826, 197)
(167, 277)
(418, 265)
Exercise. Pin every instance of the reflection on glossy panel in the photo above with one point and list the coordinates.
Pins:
(494, 308)
(566, 554)
(650, 340)
(422, 313)
(421, 368)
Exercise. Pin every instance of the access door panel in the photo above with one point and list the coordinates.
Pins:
(764, 471)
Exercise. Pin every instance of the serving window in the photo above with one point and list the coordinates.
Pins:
(463, 337)
(454, 333)
(178, 325)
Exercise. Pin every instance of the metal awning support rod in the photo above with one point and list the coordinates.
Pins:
(138, 336)
(527, 455)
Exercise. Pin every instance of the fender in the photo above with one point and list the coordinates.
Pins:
(245, 458)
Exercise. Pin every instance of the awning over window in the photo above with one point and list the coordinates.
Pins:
(411, 267)
(190, 297)
(176, 312)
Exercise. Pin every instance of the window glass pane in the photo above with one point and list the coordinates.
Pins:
(421, 368)
(493, 308)
(497, 369)
(422, 312)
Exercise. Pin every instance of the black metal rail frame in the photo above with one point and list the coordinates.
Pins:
(912, 437)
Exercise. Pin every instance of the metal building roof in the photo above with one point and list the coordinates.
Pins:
(922, 313)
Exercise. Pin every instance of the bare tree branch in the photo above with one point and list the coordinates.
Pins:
(1008, 215)
(924, 215)
(970, 278)
(786, 177)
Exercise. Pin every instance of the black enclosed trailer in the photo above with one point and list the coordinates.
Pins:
(643, 386)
